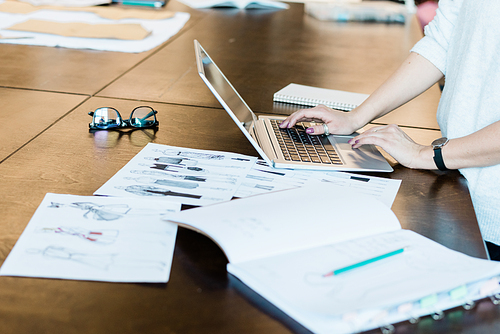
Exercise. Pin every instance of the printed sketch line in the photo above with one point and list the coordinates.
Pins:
(154, 191)
(95, 236)
(100, 212)
(98, 261)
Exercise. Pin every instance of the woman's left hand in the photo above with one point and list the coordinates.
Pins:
(398, 144)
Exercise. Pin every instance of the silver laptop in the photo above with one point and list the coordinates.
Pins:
(287, 148)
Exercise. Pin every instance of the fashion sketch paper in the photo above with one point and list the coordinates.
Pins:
(178, 174)
(263, 179)
(96, 238)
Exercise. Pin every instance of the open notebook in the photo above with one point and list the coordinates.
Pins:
(290, 256)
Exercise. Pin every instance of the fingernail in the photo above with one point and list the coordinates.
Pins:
(309, 130)
(357, 141)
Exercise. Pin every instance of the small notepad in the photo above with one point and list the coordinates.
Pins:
(312, 96)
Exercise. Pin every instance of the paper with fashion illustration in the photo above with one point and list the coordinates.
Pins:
(178, 174)
(262, 179)
(96, 238)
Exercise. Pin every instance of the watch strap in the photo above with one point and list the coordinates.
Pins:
(438, 159)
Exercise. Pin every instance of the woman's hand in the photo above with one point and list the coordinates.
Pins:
(398, 144)
(338, 122)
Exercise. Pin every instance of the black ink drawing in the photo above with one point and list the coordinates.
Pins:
(188, 154)
(163, 182)
(177, 168)
(194, 178)
(174, 161)
(154, 191)
(174, 168)
(170, 176)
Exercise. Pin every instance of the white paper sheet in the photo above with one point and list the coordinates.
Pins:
(383, 189)
(177, 174)
(96, 238)
(368, 296)
(161, 31)
(289, 220)
(263, 178)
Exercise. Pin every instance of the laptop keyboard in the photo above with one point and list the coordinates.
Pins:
(297, 145)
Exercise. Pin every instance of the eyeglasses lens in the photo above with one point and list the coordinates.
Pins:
(106, 118)
(142, 117)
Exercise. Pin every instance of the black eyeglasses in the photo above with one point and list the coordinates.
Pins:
(108, 118)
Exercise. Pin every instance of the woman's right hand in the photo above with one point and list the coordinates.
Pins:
(338, 122)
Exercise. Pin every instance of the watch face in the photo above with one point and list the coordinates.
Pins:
(439, 142)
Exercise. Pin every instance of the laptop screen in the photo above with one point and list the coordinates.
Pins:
(224, 91)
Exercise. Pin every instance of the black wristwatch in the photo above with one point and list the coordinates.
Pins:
(438, 156)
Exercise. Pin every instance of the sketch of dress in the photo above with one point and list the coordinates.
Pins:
(174, 161)
(163, 182)
(188, 154)
(155, 191)
(95, 236)
(100, 261)
(195, 178)
(100, 212)
(170, 176)
(176, 168)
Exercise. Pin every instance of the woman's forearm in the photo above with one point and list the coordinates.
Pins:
(415, 75)
(479, 149)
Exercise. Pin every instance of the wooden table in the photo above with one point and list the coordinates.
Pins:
(45, 94)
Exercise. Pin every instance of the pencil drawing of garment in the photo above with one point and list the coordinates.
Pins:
(95, 260)
(195, 155)
(100, 212)
(155, 191)
(171, 176)
(100, 237)
(168, 160)
(176, 161)
(174, 168)
(102, 261)
(163, 182)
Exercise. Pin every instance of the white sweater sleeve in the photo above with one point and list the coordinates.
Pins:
(434, 46)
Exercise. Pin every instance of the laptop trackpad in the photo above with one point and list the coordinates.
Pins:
(342, 142)
(367, 156)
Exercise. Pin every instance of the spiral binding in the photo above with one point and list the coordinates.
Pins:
(388, 329)
(437, 315)
(495, 299)
(312, 102)
(484, 289)
(469, 305)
